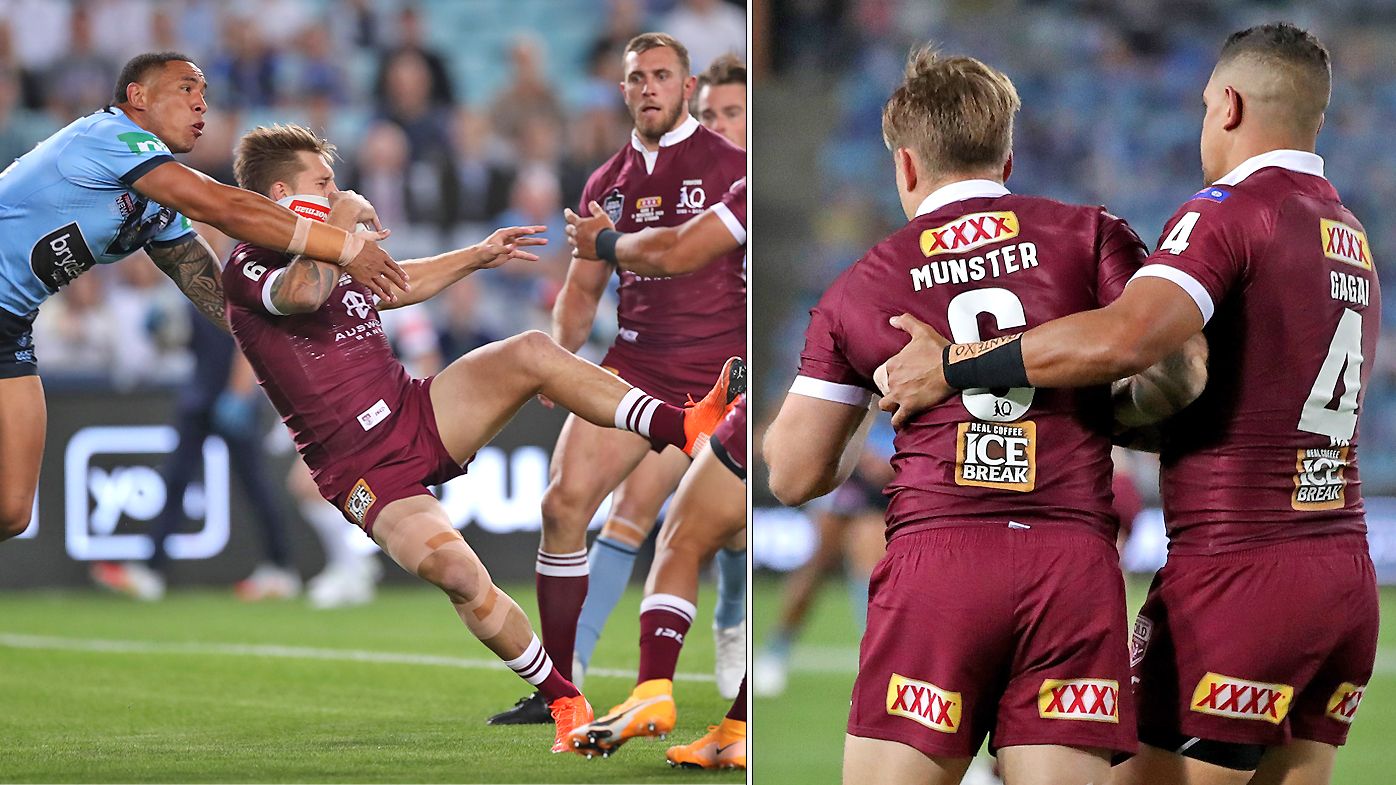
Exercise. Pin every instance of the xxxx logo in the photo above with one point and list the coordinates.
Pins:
(969, 232)
(1344, 243)
(924, 702)
(1097, 700)
(1343, 705)
(1226, 696)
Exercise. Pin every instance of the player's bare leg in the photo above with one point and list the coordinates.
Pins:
(877, 761)
(634, 508)
(1054, 764)
(1300, 762)
(1153, 765)
(23, 423)
(418, 535)
(710, 505)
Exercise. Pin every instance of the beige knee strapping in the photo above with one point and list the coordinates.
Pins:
(488, 614)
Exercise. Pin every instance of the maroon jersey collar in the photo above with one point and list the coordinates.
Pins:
(1293, 160)
(958, 192)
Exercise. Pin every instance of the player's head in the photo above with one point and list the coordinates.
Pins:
(1268, 92)
(657, 84)
(163, 92)
(950, 119)
(721, 99)
(285, 160)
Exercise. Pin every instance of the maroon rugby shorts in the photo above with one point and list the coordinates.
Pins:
(1015, 633)
(1258, 646)
(409, 459)
(728, 440)
(671, 375)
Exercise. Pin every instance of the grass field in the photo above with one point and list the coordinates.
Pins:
(202, 688)
(798, 737)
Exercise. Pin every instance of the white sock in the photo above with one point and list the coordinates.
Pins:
(534, 665)
(635, 411)
(563, 565)
(333, 530)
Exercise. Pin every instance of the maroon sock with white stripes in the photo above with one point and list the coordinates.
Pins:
(652, 418)
(664, 620)
(536, 667)
(562, 588)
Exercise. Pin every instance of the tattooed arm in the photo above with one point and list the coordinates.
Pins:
(303, 285)
(192, 265)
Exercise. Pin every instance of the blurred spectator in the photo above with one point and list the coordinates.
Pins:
(313, 72)
(440, 91)
(709, 28)
(19, 128)
(244, 74)
(480, 182)
(81, 81)
(528, 98)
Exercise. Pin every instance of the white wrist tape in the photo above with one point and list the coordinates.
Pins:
(299, 236)
(353, 243)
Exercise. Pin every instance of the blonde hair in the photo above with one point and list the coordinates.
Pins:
(647, 41)
(269, 154)
(955, 113)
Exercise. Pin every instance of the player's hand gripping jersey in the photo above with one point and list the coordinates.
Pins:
(975, 264)
(1268, 453)
(68, 204)
(693, 168)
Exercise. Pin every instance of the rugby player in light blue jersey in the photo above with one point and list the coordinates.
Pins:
(105, 186)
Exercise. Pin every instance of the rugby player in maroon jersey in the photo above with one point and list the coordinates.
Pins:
(1255, 644)
(669, 170)
(374, 438)
(708, 511)
(999, 609)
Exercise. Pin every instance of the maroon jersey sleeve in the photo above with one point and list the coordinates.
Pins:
(248, 278)
(732, 210)
(1121, 254)
(825, 371)
(1203, 248)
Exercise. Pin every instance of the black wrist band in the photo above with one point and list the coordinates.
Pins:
(996, 368)
(606, 245)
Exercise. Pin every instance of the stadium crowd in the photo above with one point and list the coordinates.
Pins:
(1111, 109)
(451, 117)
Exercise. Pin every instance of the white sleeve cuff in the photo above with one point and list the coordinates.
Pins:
(1189, 284)
(850, 394)
(266, 291)
(730, 221)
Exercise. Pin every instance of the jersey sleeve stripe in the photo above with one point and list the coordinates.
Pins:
(1189, 284)
(831, 391)
(141, 169)
(730, 221)
(266, 291)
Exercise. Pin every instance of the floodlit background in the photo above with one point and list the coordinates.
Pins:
(1111, 113)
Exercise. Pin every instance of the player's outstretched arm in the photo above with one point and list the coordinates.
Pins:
(253, 218)
(656, 251)
(193, 266)
(813, 446)
(432, 274)
(1150, 320)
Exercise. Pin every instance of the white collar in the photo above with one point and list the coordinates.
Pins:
(681, 132)
(1293, 160)
(958, 192)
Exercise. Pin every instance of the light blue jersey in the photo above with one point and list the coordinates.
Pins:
(68, 204)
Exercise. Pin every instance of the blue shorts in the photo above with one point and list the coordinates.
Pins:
(17, 346)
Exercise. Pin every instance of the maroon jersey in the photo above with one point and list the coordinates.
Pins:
(977, 263)
(1269, 451)
(330, 373)
(732, 210)
(639, 189)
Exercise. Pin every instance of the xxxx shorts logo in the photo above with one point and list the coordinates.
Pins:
(360, 499)
(1096, 700)
(1228, 696)
(1343, 705)
(924, 702)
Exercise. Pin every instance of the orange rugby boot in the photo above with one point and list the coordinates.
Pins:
(569, 714)
(722, 747)
(649, 711)
(701, 417)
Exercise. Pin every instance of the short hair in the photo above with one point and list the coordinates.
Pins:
(727, 69)
(269, 154)
(1284, 46)
(647, 41)
(139, 67)
(955, 112)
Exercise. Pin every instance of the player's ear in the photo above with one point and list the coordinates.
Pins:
(1234, 106)
(279, 191)
(135, 95)
(906, 165)
(689, 86)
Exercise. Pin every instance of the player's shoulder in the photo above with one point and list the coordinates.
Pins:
(715, 143)
(245, 254)
(610, 169)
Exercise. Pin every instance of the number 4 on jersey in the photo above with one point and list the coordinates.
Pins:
(1345, 350)
(1177, 240)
